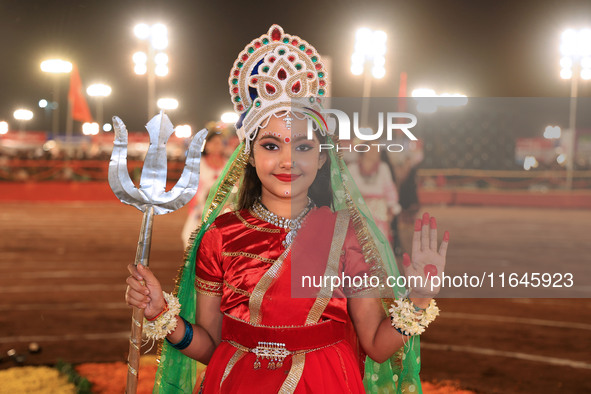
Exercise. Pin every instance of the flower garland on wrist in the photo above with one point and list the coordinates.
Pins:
(165, 322)
(408, 319)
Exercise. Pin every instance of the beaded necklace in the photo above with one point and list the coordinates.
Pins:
(293, 225)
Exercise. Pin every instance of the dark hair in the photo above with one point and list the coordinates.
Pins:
(211, 136)
(320, 191)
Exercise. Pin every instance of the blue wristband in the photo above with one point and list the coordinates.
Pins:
(187, 338)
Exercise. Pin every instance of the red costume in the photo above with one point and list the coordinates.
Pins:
(241, 258)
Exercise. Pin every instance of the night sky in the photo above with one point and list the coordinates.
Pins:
(479, 48)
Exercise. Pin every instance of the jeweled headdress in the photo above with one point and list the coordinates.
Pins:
(271, 71)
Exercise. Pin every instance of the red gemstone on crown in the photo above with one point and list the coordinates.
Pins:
(296, 87)
(294, 42)
(270, 88)
(309, 52)
(276, 34)
(322, 82)
(244, 57)
(272, 59)
(281, 74)
(291, 58)
(240, 107)
(236, 73)
(235, 90)
(318, 66)
(257, 44)
(254, 80)
(310, 75)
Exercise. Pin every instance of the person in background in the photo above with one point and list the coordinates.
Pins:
(375, 182)
(213, 160)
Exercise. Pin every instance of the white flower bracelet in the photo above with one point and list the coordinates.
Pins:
(166, 321)
(408, 319)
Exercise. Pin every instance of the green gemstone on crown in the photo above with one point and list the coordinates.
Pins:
(237, 99)
(286, 40)
(321, 92)
(320, 75)
(250, 50)
(257, 104)
(265, 41)
(265, 69)
(281, 52)
(302, 47)
(298, 66)
(240, 64)
(314, 59)
(234, 81)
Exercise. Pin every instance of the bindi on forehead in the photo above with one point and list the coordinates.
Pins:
(277, 136)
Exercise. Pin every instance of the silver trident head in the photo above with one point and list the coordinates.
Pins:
(152, 190)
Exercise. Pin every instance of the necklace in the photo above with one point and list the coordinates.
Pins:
(293, 225)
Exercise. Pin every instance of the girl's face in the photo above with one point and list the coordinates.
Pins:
(285, 160)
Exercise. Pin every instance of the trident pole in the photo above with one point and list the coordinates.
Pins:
(142, 256)
(152, 199)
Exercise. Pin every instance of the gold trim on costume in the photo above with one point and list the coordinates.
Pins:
(332, 266)
(255, 227)
(267, 326)
(256, 299)
(295, 374)
(235, 289)
(366, 241)
(209, 288)
(343, 368)
(225, 186)
(235, 358)
(249, 255)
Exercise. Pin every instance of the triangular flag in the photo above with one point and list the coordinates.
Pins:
(79, 106)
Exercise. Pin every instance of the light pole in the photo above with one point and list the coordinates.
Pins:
(153, 63)
(575, 49)
(22, 115)
(56, 66)
(90, 128)
(3, 127)
(167, 103)
(99, 91)
(229, 117)
(370, 47)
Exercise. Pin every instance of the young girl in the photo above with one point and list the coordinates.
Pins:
(299, 215)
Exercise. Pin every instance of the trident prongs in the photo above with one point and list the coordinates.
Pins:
(153, 178)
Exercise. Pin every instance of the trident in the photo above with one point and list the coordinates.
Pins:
(152, 199)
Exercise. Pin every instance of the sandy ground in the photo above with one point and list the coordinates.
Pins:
(63, 270)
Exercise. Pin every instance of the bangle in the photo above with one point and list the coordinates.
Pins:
(417, 308)
(165, 322)
(407, 320)
(164, 310)
(187, 338)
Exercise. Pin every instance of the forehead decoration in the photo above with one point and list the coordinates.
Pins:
(276, 72)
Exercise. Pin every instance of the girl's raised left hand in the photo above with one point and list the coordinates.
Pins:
(427, 261)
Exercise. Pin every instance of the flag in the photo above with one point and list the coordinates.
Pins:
(78, 104)
(402, 94)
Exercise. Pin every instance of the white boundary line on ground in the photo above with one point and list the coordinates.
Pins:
(62, 288)
(516, 320)
(65, 307)
(501, 353)
(66, 337)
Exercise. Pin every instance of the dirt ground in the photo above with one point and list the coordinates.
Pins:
(63, 270)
